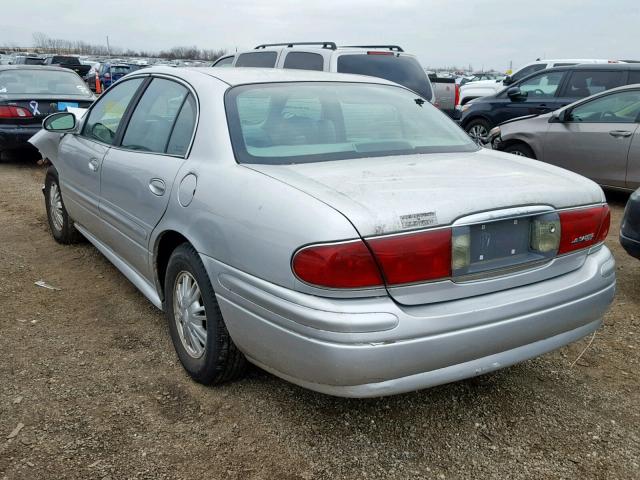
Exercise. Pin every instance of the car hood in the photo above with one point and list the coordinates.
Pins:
(396, 193)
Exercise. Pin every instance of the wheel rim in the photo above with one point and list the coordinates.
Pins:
(478, 133)
(55, 206)
(189, 314)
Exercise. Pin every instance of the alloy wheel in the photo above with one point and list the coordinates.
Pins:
(189, 314)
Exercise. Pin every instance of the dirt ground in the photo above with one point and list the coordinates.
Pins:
(90, 374)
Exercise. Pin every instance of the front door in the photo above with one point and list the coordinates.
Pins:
(82, 155)
(138, 173)
(538, 96)
(595, 139)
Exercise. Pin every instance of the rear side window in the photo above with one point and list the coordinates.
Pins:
(304, 61)
(154, 116)
(257, 59)
(399, 69)
(183, 129)
(584, 83)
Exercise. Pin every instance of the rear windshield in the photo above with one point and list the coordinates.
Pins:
(119, 70)
(65, 60)
(399, 69)
(32, 61)
(288, 123)
(36, 82)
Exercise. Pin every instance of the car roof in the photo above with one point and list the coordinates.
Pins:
(598, 66)
(243, 75)
(34, 67)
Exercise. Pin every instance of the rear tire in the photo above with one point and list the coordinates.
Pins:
(60, 223)
(197, 329)
(520, 149)
(478, 130)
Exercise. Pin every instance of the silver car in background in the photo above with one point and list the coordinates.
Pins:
(597, 137)
(336, 230)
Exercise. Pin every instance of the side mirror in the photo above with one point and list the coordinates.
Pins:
(507, 80)
(60, 122)
(560, 116)
(514, 92)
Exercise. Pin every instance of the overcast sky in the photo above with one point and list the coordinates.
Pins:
(484, 33)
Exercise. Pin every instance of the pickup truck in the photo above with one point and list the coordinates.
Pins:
(446, 93)
(65, 61)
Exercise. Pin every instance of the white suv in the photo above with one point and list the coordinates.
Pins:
(390, 62)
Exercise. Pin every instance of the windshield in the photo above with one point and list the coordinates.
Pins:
(288, 123)
(399, 69)
(36, 82)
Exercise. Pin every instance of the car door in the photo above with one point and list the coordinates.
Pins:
(594, 140)
(538, 96)
(80, 155)
(138, 173)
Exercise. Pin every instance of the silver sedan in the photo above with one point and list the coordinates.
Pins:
(338, 231)
(597, 137)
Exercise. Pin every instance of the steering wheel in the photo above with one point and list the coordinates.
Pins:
(539, 92)
(608, 114)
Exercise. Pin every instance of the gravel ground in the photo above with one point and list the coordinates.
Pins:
(90, 388)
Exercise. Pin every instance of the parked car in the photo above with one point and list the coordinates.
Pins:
(28, 93)
(27, 60)
(67, 61)
(336, 230)
(493, 77)
(544, 92)
(225, 61)
(630, 229)
(491, 87)
(110, 73)
(90, 77)
(597, 137)
(390, 62)
(446, 92)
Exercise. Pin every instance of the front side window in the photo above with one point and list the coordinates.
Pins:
(288, 123)
(544, 85)
(152, 120)
(257, 59)
(105, 117)
(400, 69)
(304, 61)
(586, 83)
(622, 107)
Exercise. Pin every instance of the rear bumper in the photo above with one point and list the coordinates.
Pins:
(630, 245)
(12, 137)
(374, 347)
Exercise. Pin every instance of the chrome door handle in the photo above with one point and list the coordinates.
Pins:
(94, 164)
(620, 133)
(157, 186)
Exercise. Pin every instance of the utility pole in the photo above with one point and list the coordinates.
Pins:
(108, 48)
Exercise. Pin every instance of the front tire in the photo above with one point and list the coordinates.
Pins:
(520, 149)
(478, 130)
(60, 223)
(197, 329)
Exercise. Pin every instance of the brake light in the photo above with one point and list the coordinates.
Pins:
(10, 111)
(340, 265)
(457, 95)
(379, 53)
(584, 227)
(414, 257)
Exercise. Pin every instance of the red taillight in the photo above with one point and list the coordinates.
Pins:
(414, 257)
(457, 97)
(379, 53)
(9, 111)
(584, 227)
(340, 265)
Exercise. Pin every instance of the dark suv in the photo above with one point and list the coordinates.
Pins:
(544, 92)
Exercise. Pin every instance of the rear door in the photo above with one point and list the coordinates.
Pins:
(80, 156)
(595, 141)
(138, 173)
(582, 83)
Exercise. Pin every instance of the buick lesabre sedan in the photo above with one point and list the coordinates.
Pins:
(335, 230)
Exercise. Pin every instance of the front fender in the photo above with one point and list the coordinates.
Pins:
(47, 144)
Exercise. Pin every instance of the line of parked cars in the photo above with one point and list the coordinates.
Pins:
(406, 256)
